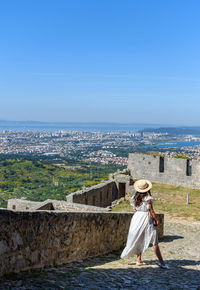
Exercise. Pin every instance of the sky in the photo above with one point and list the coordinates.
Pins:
(127, 61)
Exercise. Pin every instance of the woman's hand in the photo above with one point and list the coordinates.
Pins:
(155, 222)
(134, 210)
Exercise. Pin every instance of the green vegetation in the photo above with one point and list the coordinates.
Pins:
(37, 180)
(171, 200)
(155, 154)
(123, 206)
(180, 156)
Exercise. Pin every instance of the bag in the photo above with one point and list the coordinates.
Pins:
(154, 221)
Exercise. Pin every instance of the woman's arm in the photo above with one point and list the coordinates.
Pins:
(152, 212)
(132, 204)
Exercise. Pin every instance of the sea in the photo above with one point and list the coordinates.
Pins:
(176, 144)
(78, 127)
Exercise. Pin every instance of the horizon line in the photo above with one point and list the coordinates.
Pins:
(90, 122)
(97, 123)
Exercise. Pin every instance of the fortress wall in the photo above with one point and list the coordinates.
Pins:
(141, 164)
(195, 173)
(101, 195)
(69, 206)
(175, 166)
(23, 205)
(50, 204)
(36, 239)
(125, 178)
(175, 170)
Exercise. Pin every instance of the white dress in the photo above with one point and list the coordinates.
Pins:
(141, 233)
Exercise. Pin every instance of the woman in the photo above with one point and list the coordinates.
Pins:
(142, 232)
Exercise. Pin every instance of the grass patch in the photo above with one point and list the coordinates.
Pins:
(172, 200)
(123, 206)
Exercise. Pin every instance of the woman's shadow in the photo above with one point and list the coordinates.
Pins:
(168, 238)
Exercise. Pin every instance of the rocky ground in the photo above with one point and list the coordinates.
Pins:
(180, 248)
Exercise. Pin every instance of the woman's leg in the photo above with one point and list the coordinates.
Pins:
(139, 258)
(158, 254)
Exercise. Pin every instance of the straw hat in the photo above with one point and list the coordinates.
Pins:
(142, 185)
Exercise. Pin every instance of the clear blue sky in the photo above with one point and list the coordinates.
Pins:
(107, 60)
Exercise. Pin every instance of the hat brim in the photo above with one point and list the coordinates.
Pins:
(136, 186)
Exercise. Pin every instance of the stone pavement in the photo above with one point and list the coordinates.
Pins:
(180, 249)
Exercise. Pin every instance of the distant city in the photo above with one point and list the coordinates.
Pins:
(99, 146)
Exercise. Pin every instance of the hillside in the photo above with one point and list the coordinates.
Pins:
(37, 181)
(175, 131)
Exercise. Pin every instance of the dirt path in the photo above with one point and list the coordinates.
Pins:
(180, 248)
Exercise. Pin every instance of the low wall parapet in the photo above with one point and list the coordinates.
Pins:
(50, 204)
(35, 239)
(101, 195)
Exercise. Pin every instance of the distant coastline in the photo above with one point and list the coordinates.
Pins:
(175, 145)
(74, 126)
(98, 127)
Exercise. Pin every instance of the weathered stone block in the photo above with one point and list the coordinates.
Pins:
(3, 247)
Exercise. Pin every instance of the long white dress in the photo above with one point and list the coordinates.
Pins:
(141, 233)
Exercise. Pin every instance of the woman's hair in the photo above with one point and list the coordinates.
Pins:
(139, 196)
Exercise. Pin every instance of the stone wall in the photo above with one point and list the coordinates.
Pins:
(120, 178)
(174, 170)
(101, 195)
(37, 239)
(23, 205)
(69, 206)
(50, 204)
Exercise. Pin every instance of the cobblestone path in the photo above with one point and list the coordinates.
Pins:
(180, 248)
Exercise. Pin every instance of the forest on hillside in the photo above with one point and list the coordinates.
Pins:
(40, 180)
